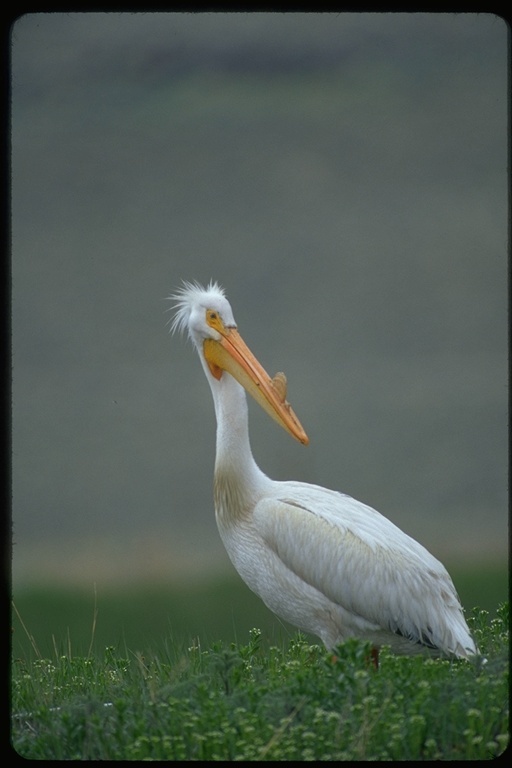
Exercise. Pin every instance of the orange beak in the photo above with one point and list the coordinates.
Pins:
(231, 354)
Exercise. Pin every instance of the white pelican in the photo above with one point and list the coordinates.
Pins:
(319, 559)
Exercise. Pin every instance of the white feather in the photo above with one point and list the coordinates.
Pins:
(318, 558)
(189, 296)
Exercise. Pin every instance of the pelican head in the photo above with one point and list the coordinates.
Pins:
(206, 315)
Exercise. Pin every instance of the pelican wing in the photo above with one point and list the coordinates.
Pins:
(362, 562)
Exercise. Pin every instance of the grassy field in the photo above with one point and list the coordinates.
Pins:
(182, 673)
(146, 618)
(244, 701)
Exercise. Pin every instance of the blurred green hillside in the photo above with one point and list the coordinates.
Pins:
(180, 614)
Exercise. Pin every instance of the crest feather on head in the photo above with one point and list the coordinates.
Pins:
(188, 295)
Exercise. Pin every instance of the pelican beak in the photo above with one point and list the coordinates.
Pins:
(230, 353)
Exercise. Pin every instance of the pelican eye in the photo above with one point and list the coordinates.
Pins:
(214, 320)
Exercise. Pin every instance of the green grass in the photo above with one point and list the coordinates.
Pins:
(141, 618)
(145, 618)
(249, 701)
(188, 678)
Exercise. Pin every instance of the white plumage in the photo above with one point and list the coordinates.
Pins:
(319, 559)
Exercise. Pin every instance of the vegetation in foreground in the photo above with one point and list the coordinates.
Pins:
(243, 702)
